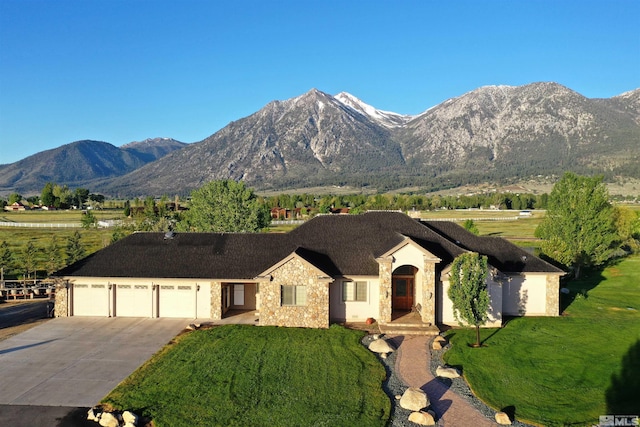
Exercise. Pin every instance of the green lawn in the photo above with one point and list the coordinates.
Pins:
(247, 375)
(566, 370)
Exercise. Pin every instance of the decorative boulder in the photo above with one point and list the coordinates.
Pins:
(422, 418)
(380, 346)
(447, 372)
(109, 420)
(129, 417)
(503, 419)
(414, 399)
(436, 345)
(93, 415)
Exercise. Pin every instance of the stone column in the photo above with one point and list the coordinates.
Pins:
(385, 272)
(62, 299)
(216, 300)
(428, 312)
(552, 307)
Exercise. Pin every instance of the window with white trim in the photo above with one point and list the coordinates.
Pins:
(354, 291)
(294, 295)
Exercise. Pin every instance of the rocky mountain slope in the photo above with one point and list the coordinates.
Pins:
(494, 133)
(80, 163)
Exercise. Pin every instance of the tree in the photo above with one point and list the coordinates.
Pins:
(74, 250)
(28, 259)
(53, 263)
(578, 230)
(80, 196)
(225, 206)
(14, 197)
(46, 196)
(627, 224)
(6, 259)
(127, 208)
(471, 226)
(88, 219)
(468, 290)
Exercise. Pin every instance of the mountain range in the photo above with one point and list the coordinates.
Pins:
(494, 133)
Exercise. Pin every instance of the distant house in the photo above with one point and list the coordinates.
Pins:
(333, 268)
(16, 206)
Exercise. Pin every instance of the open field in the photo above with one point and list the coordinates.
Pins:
(61, 216)
(246, 375)
(568, 370)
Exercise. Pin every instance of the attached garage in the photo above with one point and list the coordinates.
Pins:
(177, 300)
(133, 300)
(90, 300)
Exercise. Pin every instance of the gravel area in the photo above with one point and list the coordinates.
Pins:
(460, 387)
(394, 386)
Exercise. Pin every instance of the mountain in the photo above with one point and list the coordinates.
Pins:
(494, 133)
(80, 163)
(310, 138)
(502, 131)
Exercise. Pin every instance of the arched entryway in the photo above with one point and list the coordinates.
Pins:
(403, 283)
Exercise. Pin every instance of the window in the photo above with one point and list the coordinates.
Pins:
(294, 295)
(354, 291)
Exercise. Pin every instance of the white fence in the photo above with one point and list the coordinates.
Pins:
(40, 225)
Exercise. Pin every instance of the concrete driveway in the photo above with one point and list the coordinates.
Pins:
(76, 361)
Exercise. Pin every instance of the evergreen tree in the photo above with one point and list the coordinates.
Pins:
(28, 259)
(6, 259)
(53, 263)
(75, 251)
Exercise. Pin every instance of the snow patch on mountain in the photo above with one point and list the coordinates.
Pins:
(385, 118)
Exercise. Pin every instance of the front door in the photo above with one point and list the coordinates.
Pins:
(402, 293)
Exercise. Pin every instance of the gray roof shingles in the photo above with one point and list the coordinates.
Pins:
(338, 245)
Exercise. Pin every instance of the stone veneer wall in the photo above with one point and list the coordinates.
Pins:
(385, 272)
(428, 300)
(553, 295)
(216, 300)
(61, 308)
(315, 314)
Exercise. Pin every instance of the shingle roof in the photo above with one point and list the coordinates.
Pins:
(502, 254)
(339, 245)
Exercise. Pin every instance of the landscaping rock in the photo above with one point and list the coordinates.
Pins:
(503, 419)
(436, 345)
(129, 425)
(414, 399)
(192, 327)
(109, 419)
(129, 417)
(422, 418)
(92, 415)
(380, 346)
(447, 372)
(383, 355)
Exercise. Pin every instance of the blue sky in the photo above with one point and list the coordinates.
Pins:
(121, 71)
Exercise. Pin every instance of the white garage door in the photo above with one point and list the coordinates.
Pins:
(177, 301)
(90, 300)
(134, 300)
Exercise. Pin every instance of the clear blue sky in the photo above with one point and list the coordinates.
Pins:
(121, 71)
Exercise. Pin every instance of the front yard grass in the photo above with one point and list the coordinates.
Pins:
(566, 370)
(239, 375)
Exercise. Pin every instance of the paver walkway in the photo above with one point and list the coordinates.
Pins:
(412, 365)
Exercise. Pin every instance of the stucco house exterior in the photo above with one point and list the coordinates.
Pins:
(333, 268)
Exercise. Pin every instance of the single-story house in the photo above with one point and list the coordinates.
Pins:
(333, 268)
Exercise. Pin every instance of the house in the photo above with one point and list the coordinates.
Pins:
(16, 206)
(333, 268)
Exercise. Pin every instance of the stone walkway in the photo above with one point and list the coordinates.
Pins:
(412, 365)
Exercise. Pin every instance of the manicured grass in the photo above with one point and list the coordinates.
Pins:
(247, 375)
(564, 370)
